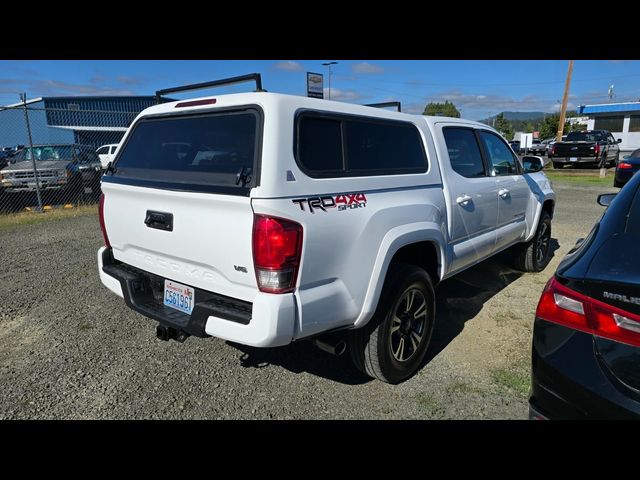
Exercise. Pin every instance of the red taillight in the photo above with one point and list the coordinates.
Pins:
(559, 304)
(553, 150)
(277, 247)
(101, 218)
(624, 166)
(596, 149)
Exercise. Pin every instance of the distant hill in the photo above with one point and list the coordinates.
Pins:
(519, 116)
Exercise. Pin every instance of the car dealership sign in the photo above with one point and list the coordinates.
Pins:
(315, 85)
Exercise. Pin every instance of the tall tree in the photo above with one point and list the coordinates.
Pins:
(504, 127)
(446, 109)
(549, 127)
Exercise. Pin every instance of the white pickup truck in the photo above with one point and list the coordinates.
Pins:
(264, 219)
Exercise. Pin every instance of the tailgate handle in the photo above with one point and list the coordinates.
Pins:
(159, 220)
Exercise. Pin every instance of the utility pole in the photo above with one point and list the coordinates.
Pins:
(563, 109)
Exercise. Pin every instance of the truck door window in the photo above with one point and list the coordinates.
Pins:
(464, 152)
(500, 155)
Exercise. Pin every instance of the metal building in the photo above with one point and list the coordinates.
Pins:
(621, 119)
(85, 120)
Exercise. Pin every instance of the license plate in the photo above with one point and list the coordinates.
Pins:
(573, 159)
(178, 296)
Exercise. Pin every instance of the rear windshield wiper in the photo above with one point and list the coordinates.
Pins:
(244, 176)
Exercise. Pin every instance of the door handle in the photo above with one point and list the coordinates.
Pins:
(503, 192)
(463, 200)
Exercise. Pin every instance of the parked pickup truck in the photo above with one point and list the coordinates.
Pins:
(537, 148)
(68, 167)
(291, 218)
(590, 147)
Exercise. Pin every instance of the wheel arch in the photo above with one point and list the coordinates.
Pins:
(423, 247)
(548, 205)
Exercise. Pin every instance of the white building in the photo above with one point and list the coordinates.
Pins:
(577, 120)
(621, 119)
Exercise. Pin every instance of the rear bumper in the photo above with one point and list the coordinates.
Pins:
(267, 322)
(623, 176)
(25, 186)
(568, 381)
(577, 160)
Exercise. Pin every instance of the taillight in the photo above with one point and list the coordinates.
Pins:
(101, 218)
(559, 304)
(277, 247)
(624, 166)
(553, 150)
(596, 149)
(195, 103)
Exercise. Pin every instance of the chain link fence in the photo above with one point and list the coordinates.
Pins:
(54, 157)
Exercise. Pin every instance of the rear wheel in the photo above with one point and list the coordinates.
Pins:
(615, 161)
(603, 163)
(558, 165)
(392, 346)
(535, 255)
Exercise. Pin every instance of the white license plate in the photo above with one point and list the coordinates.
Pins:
(178, 296)
(573, 159)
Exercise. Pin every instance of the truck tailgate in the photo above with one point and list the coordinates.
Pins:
(209, 245)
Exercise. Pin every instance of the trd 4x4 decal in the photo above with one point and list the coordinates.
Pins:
(345, 201)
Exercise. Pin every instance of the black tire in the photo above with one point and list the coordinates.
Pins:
(375, 348)
(558, 165)
(602, 163)
(615, 161)
(535, 255)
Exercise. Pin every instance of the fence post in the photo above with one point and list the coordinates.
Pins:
(23, 98)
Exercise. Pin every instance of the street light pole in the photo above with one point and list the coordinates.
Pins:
(328, 64)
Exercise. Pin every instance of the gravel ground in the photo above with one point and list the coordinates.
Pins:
(71, 349)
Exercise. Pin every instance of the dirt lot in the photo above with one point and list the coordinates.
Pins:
(71, 349)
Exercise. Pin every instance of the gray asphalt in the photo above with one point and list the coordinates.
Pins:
(69, 349)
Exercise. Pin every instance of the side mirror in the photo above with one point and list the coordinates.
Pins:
(606, 198)
(532, 164)
(619, 140)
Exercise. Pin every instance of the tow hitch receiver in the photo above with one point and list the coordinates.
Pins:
(169, 333)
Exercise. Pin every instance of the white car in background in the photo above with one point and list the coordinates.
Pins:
(106, 153)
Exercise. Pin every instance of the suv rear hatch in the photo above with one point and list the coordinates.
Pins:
(613, 280)
(177, 204)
